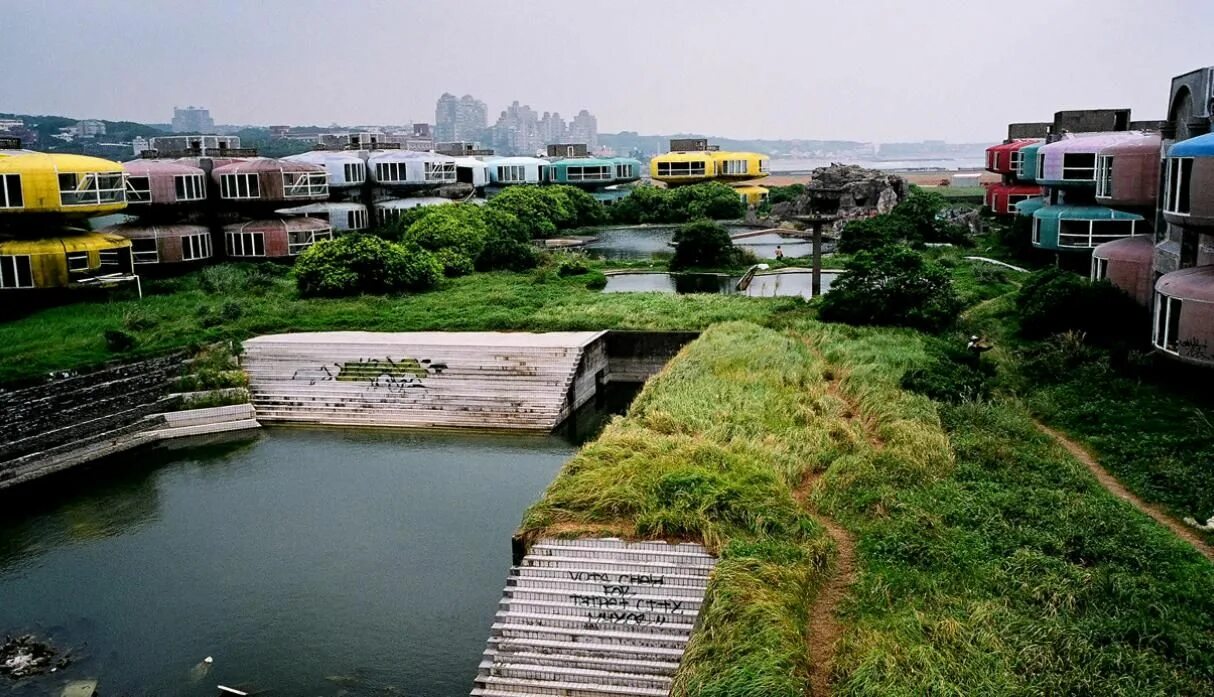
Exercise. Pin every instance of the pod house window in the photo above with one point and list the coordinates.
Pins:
(1013, 199)
(246, 244)
(1014, 159)
(995, 160)
(354, 172)
(138, 189)
(440, 171)
(239, 186)
(110, 258)
(681, 169)
(356, 219)
(587, 173)
(1090, 233)
(196, 246)
(762, 165)
(1040, 166)
(77, 262)
(1079, 166)
(16, 271)
(1104, 176)
(511, 174)
(1167, 323)
(1036, 230)
(144, 251)
(1100, 269)
(623, 171)
(189, 187)
(1180, 177)
(733, 167)
(299, 240)
(304, 184)
(91, 188)
(10, 193)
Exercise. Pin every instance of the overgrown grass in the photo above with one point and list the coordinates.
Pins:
(990, 561)
(236, 301)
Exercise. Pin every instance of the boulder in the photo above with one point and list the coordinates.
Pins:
(860, 193)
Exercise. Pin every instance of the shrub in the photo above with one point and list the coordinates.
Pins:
(119, 341)
(508, 254)
(460, 228)
(572, 265)
(702, 244)
(871, 233)
(892, 285)
(540, 211)
(914, 221)
(1053, 301)
(454, 262)
(586, 209)
(357, 263)
(785, 194)
(649, 204)
(953, 374)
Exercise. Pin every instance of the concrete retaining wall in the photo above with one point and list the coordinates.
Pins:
(638, 356)
(65, 421)
(491, 380)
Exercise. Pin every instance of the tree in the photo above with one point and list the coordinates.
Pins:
(892, 285)
(586, 209)
(458, 231)
(542, 213)
(702, 244)
(358, 263)
(1053, 301)
(649, 204)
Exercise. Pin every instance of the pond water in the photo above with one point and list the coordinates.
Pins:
(312, 562)
(786, 283)
(653, 242)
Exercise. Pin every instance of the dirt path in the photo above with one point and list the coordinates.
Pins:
(1114, 487)
(824, 625)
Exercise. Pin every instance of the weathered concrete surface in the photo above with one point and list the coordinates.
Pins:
(494, 380)
(862, 193)
(595, 617)
(636, 356)
(65, 421)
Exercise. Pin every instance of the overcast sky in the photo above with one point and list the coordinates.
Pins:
(872, 70)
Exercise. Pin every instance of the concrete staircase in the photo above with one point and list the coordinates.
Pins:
(423, 379)
(196, 422)
(594, 618)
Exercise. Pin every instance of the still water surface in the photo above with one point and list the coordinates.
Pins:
(313, 562)
(633, 243)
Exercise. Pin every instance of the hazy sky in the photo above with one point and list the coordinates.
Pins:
(879, 70)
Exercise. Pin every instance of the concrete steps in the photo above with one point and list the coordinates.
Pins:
(196, 422)
(423, 379)
(594, 618)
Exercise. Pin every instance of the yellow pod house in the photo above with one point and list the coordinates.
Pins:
(71, 260)
(693, 160)
(753, 196)
(71, 185)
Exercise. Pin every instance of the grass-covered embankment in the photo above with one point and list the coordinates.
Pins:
(989, 560)
(236, 301)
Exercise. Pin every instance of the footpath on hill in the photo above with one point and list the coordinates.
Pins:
(875, 542)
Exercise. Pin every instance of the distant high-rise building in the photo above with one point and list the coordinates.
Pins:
(192, 119)
(517, 131)
(90, 128)
(584, 129)
(460, 119)
(552, 128)
(446, 111)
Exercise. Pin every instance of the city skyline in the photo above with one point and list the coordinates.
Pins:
(868, 70)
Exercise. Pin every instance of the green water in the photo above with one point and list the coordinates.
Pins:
(312, 562)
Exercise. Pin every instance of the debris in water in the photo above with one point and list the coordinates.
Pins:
(200, 670)
(25, 655)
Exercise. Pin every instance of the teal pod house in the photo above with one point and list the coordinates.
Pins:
(1028, 207)
(584, 172)
(627, 169)
(1026, 165)
(1081, 228)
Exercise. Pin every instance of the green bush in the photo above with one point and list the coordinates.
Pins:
(542, 211)
(953, 375)
(892, 285)
(358, 263)
(459, 228)
(572, 265)
(913, 221)
(703, 244)
(785, 194)
(507, 254)
(454, 262)
(871, 233)
(1053, 301)
(119, 341)
(650, 204)
(586, 209)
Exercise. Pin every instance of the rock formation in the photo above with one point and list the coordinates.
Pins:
(860, 192)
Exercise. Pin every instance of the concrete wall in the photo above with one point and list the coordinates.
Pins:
(46, 423)
(638, 356)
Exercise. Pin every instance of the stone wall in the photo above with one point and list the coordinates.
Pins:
(56, 417)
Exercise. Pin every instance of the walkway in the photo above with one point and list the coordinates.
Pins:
(1115, 487)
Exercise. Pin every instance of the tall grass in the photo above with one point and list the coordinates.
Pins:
(236, 301)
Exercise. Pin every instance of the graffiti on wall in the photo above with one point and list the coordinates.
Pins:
(393, 375)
